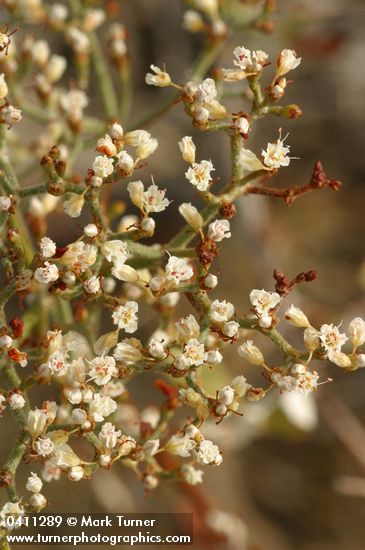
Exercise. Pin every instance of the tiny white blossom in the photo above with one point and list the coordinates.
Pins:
(331, 338)
(125, 317)
(103, 166)
(208, 453)
(180, 445)
(102, 370)
(34, 483)
(221, 312)
(251, 353)
(287, 61)
(16, 401)
(357, 331)
(108, 435)
(296, 317)
(199, 174)
(47, 247)
(178, 270)
(160, 78)
(188, 149)
(46, 274)
(219, 230)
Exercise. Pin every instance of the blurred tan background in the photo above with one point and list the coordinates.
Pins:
(292, 479)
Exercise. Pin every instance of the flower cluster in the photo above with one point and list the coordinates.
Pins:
(85, 324)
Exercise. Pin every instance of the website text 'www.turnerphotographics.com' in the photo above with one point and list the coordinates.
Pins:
(93, 529)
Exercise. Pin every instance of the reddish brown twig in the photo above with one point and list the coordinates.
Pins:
(318, 180)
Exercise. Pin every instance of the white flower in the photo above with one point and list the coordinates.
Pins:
(160, 78)
(211, 281)
(264, 301)
(76, 473)
(248, 161)
(124, 272)
(226, 395)
(103, 166)
(116, 131)
(156, 349)
(16, 401)
(57, 363)
(135, 138)
(46, 274)
(242, 125)
(148, 226)
(79, 256)
(243, 58)
(311, 339)
(74, 205)
(339, 358)
(78, 40)
(115, 251)
(214, 357)
(102, 370)
(125, 317)
(11, 114)
(276, 154)
(3, 87)
(44, 446)
(199, 174)
(55, 68)
(136, 193)
(6, 341)
(146, 149)
(105, 145)
(230, 329)
(91, 230)
(193, 21)
(207, 91)
(331, 338)
(73, 103)
(125, 162)
(34, 483)
(102, 406)
(47, 247)
(188, 327)
(180, 445)
(287, 61)
(208, 453)
(357, 331)
(194, 353)
(296, 317)
(108, 435)
(240, 385)
(92, 285)
(251, 353)
(178, 270)
(191, 216)
(151, 447)
(188, 149)
(191, 475)
(154, 199)
(218, 230)
(5, 203)
(221, 312)
(13, 509)
(38, 501)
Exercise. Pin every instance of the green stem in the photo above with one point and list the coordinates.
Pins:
(103, 78)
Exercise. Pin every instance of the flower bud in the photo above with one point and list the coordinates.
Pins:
(251, 353)
(357, 331)
(226, 395)
(340, 359)
(211, 281)
(296, 317)
(55, 68)
(311, 339)
(359, 360)
(76, 473)
(34, 483)
(116, 131)
(148, 225)
(187, 148)
(191, 216)
(5, 341)
(91, 230)
(287, 61)
(16, 401)
(136, 193)
(38, 501)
